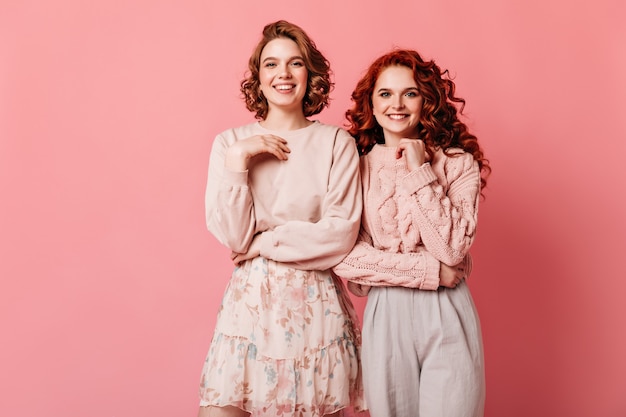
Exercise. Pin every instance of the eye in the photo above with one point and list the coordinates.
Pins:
(385, 94)
(270, 65)
(297, 63)
(412, 94)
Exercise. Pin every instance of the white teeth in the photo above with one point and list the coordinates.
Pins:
(284, 87)
(397, 116)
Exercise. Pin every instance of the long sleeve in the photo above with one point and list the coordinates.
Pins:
(228, 201)
(367, 265)
(321, 244)
(446, 220)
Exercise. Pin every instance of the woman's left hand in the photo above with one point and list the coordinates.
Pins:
(253, 251)
(414, 151)
(452, 276)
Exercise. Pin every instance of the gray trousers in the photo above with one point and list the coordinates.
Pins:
(422, 353)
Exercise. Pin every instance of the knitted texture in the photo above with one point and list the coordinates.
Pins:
(412, 220)
(370, 266)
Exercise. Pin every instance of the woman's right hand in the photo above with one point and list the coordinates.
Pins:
(240, 152)
(414, 151)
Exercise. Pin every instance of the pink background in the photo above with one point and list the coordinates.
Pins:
(110, 281)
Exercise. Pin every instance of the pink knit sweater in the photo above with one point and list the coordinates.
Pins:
(412, 221)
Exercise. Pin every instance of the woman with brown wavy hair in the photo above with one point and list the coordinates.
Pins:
(421, 172)
(283, 194)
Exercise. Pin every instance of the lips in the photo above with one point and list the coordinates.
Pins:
(397, 116)
(284, 87)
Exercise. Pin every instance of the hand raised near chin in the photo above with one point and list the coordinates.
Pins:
(414, 151)
(240, 152)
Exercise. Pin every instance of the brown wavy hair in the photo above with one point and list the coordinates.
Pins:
(319, 84)
(439, 126)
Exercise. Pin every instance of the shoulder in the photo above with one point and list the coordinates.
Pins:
(331, 131)
(454, 162)
(335, 134)
(239, 132)
(233, 134)
(454, 157)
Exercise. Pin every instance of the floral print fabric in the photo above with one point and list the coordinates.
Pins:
(286, 344)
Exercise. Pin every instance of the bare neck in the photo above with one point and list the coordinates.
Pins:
(278, 120)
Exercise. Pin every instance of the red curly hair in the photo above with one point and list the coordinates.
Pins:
(439, 126)
(319, 84)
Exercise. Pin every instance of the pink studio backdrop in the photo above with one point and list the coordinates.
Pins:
(110, 282)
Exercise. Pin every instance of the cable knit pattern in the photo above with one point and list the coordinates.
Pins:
(370, 266)
(413, 220)
(446, 208)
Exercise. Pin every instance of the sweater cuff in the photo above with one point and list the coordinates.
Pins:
(418, 179)
(235, 178)
(431, 277)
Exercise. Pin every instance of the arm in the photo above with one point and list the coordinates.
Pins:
(322, 244)
(447, 221)
(367, 265)
(229, 205)
(360, 267)
(228, 201)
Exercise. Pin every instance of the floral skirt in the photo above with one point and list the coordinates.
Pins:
(286, 343)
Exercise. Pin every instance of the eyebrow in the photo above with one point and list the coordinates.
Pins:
(404, 90)
(289, 60)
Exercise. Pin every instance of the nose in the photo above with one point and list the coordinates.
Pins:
(284, 72)
(397, 102)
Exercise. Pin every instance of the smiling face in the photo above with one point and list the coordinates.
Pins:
(397, 104)
(283, 75)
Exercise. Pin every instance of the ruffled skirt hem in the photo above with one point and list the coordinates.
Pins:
(314, 385)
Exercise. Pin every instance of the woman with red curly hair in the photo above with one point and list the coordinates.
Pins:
(421, 177)
(283, 194)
